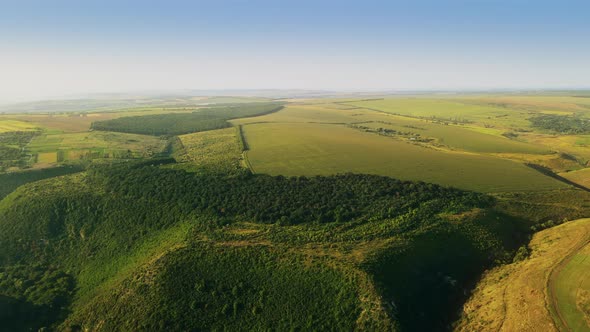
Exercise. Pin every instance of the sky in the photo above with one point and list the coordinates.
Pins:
(63, 48)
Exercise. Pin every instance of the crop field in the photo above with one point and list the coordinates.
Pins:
(320, 149)
(516, 297)
(542, 104)
(15, 125)
(456, 137)
(310, 113)
(450, 110)
(51, 148)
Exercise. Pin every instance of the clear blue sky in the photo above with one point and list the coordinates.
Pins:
(64, 47)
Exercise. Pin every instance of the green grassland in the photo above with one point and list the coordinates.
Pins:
(316, 149)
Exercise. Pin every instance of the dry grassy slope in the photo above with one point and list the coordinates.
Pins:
(515, 297)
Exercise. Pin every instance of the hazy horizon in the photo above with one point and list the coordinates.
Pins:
(66, 48)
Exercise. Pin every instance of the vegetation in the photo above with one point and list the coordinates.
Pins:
(497, 302)
(563, 124)
(177, 124)
(97, 226)
(10, 181)
(164, 232)
(12, 149)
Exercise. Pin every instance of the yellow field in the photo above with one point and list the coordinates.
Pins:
(47, 157)
(516, 297)
(7, 125)
(322, 149)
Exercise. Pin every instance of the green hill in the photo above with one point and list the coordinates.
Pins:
(141, 247)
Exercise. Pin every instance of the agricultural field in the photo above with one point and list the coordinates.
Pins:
(320, 149)
(15, 125)
(546, 288)
(54, 148)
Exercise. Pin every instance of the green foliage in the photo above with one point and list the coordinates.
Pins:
(212, 287)
(563, 124)
(12, 152)
(33, 296)
(184, 123)
(10, 181)
(97, 225)
(522, 253)
(294, 200)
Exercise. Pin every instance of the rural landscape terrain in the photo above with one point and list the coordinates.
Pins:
(338, 212)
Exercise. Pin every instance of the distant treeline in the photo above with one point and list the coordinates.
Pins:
(184, 123)
(565, 124)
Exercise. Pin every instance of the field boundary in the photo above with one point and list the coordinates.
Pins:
(245, 147)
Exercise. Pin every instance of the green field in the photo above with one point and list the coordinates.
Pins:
(316, 149)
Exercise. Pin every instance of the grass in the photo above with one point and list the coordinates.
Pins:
(513, 297)
(320, 149)
(211, 151)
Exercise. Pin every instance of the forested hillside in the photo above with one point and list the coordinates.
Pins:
(129, 228)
